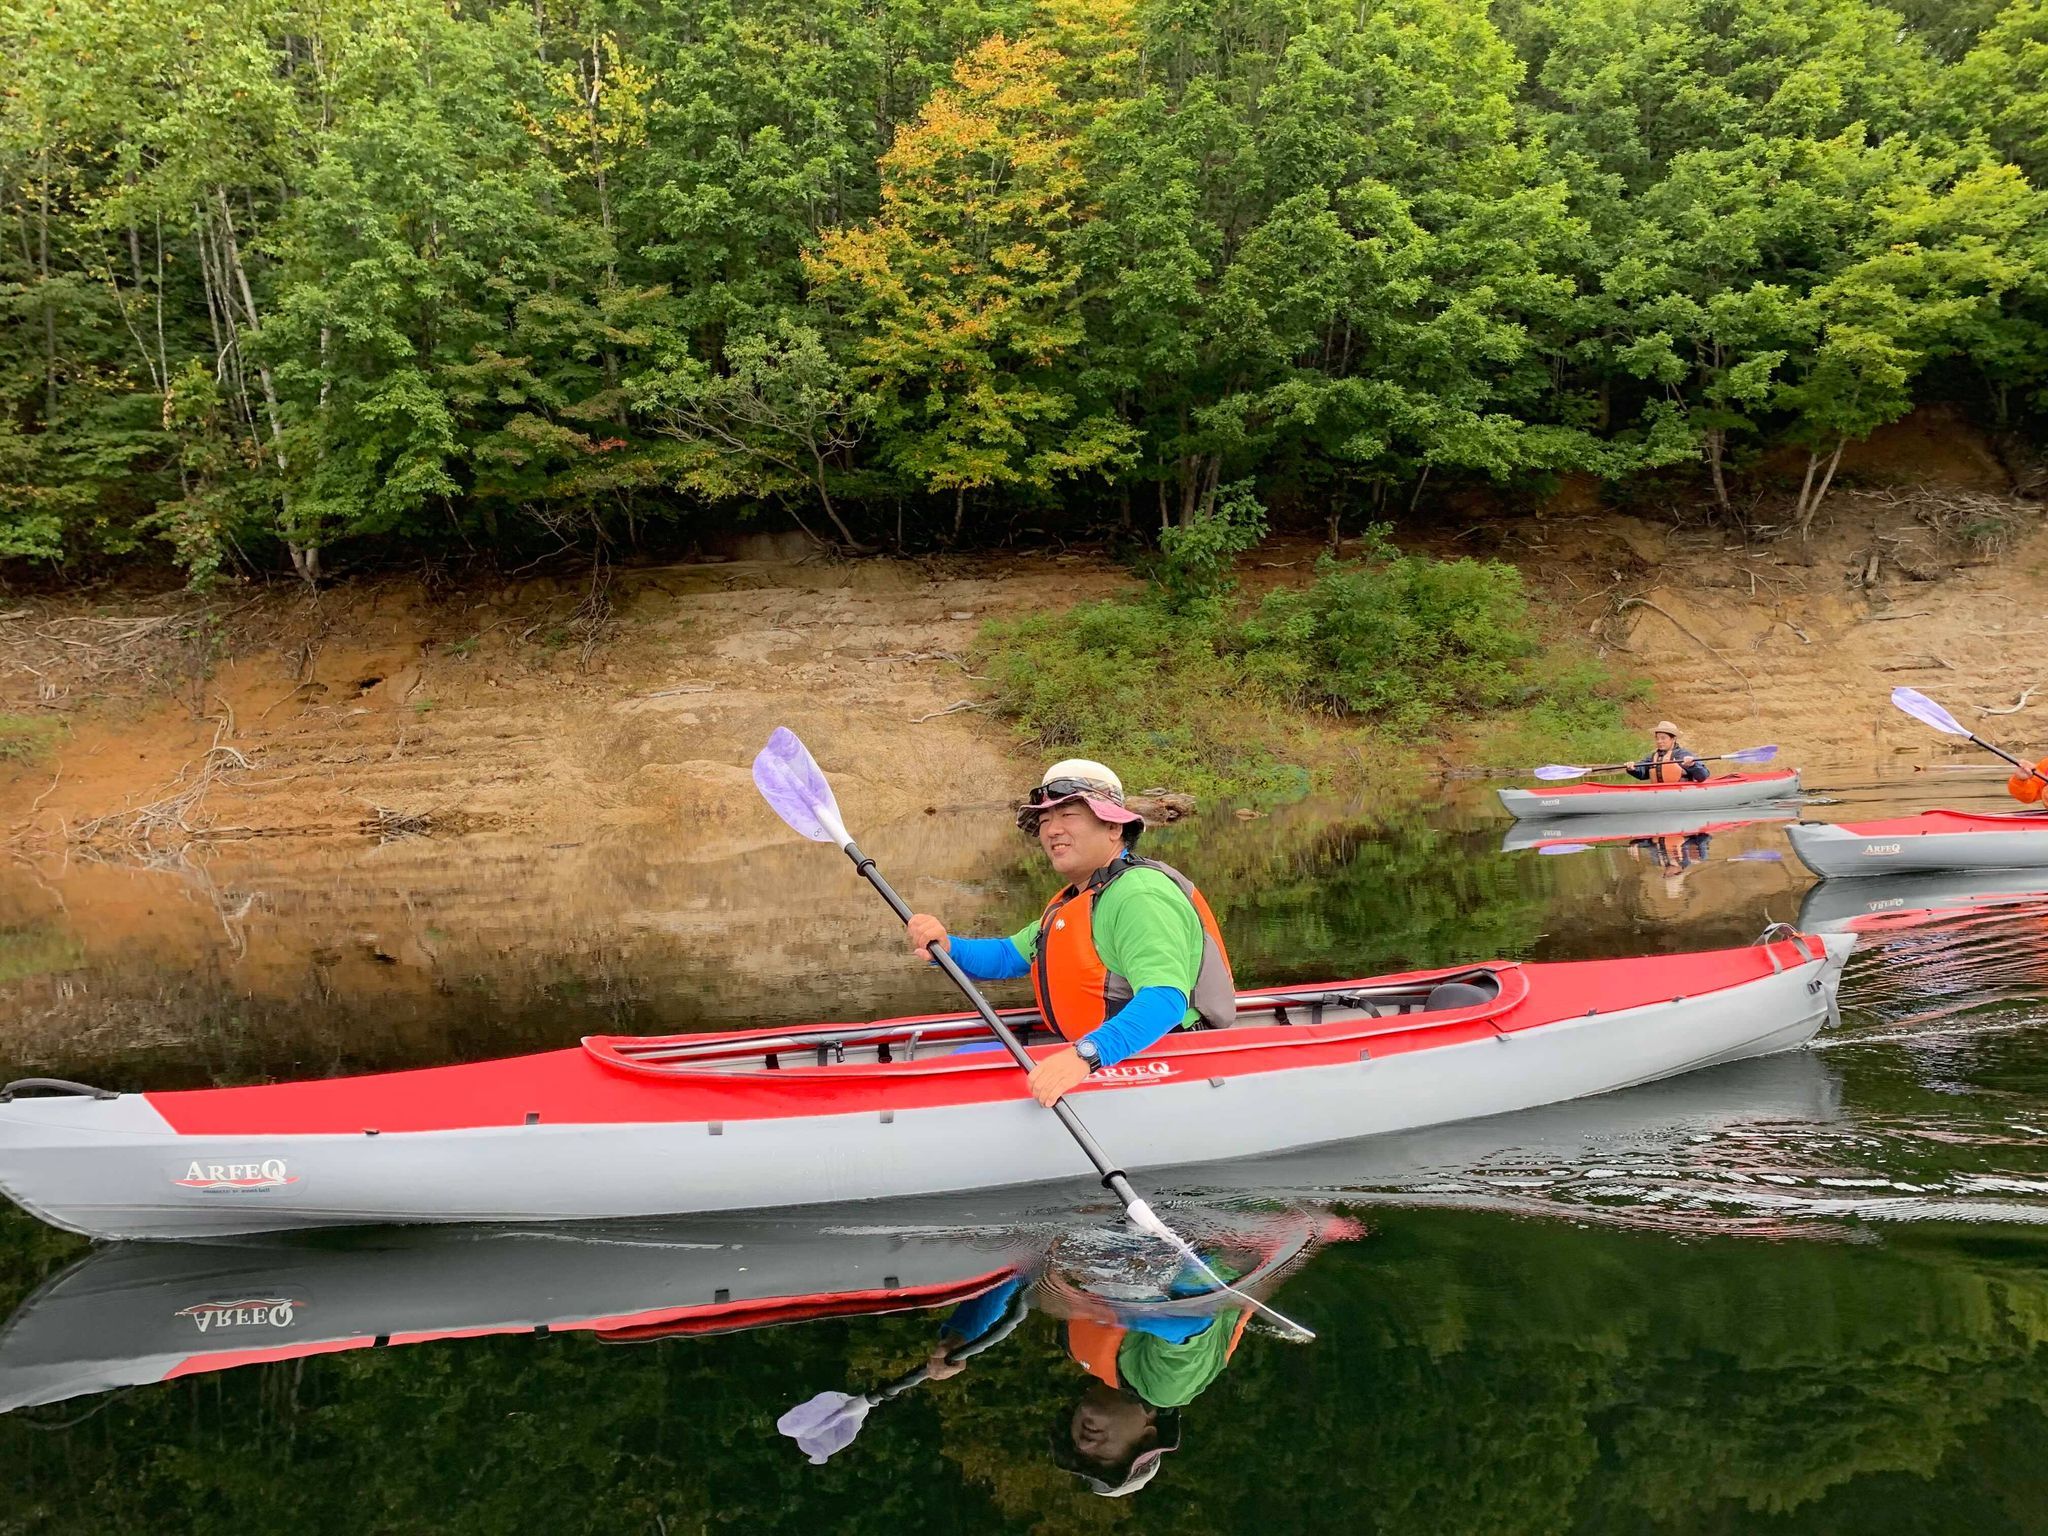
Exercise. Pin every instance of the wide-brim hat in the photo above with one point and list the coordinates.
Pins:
(1665, 728)
(1083, 779)
(1114, 1482)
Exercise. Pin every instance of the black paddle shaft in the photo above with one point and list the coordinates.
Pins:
(1112, 1176)
(2027, 768)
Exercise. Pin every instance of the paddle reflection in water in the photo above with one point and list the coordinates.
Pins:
(1147, 1337)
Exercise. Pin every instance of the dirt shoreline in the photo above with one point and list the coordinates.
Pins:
(550, 710)
(215, 871)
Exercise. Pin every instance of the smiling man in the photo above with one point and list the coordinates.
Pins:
(1125, 952)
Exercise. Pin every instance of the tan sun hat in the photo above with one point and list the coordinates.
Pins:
(1665, 728)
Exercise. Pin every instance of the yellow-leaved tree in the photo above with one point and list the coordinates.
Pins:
(962, 292)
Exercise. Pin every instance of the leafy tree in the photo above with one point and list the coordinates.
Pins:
(963, 291)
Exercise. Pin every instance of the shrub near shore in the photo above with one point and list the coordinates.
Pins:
(1191, 686)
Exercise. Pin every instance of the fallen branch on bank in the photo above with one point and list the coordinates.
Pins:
(950, 710)
(2014, 708)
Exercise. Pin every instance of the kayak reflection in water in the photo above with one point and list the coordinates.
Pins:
(1126, 952)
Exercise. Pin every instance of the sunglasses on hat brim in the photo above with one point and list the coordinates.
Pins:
(1054, 790)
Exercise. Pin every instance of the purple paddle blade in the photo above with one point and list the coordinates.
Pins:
(1752, 754)
(1758, 856)
(1547, 849)
(1552, 771)
(794, 787)
(825, 1425)
(1927, 712)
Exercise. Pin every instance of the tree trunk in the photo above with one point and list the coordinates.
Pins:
(604, 201)
(1715, 443)
(1421, 480)
(1811, 495)
(49, 304)
(232, 251)
(305, 557)
(825, 499)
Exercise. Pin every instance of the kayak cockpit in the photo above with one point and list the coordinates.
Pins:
(1473, 992)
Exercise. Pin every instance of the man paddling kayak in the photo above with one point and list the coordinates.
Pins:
(1668, 762)
(1125, 952)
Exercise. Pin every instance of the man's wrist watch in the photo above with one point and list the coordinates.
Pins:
(1087, 1051)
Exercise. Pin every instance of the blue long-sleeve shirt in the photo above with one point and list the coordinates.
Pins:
(973, 1318)
(1137, 1026)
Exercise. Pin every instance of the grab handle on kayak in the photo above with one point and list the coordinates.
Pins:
(58, 1085)
(1775, 931)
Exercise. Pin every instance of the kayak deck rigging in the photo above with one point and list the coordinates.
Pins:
(1463, 992)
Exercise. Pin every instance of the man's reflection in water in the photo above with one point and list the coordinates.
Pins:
(1144, 1367)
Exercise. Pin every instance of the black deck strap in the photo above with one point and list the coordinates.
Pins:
(54, 1085)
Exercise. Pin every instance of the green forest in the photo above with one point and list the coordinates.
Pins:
(291, 285)
(1475, 1373)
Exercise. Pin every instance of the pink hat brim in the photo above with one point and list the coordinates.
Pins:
(1105, 810)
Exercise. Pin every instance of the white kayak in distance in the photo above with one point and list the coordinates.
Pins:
(629, 1127)
(1926, 842)
(1715, 794)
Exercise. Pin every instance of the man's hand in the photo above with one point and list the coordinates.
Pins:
(1056, 1075)
(938, 1367)
(925, 931)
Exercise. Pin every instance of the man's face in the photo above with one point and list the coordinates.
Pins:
(1076, 840)
(1666, 741)
(1110, 1428)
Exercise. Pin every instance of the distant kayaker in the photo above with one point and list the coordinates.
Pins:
(1668, 762)
(1127, 951)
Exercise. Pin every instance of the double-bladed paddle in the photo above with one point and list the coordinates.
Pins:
(1927, 712)
(795, 788)
(1551, 772)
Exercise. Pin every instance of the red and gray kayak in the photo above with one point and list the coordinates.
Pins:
(627, 1127)
(1931, 840)
(1717, 794)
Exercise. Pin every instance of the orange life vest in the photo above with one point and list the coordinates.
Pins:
(1666, 770)
(1077, 991)
(1095, 1345)
(2024, 787)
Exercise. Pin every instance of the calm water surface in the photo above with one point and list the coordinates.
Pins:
(1802, 1294)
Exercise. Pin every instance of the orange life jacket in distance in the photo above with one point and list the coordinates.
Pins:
(1666, 770)
(1077, 991)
